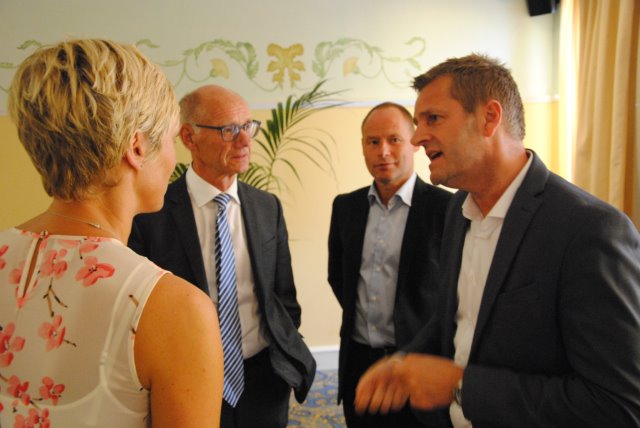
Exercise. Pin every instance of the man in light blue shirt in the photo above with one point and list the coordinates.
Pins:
(384, 246)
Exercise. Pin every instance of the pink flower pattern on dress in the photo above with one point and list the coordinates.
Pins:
(16, 274)
(92, 271)
(14, 278)
(8, 345)
(35, 419)
(86, 246)
(53, 264)
(52, 333)
(49, 390)
(3, 250)
(58, 259)
(19, 391)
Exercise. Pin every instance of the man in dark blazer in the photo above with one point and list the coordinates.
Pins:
(540, 321)
(217, 129)
(384, 244)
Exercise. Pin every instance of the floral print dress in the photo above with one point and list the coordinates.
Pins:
(67, 331)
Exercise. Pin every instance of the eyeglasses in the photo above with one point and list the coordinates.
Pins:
(230, 132)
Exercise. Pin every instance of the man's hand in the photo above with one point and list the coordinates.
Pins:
(382, 388)
(426, 381)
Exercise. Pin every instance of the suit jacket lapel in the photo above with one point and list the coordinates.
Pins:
(252, 223)
(182, 214)
(455, 230)
(356, 225)
(522, 210)
(415, 218)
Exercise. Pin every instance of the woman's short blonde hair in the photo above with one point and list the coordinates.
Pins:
(78, 104)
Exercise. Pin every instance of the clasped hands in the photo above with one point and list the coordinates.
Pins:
(425, 381)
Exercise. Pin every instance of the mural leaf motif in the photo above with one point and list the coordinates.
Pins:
(220, 58)
(326, 53)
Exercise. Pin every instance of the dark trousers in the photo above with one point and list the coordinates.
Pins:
(265, 400)
(360, 358)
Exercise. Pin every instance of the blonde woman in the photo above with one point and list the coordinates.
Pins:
(91, 334)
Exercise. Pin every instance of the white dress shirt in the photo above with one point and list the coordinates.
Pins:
(379, 266)
(477, 254)
(204, 211)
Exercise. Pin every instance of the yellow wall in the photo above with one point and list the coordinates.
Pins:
(307, 205)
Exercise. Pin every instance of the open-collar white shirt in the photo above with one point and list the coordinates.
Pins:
(477, 254)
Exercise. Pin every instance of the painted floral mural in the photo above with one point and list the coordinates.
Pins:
(278, 68)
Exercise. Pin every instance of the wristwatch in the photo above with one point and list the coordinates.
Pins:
(397, 356)
(457, 393)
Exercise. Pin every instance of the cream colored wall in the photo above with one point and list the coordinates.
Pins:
(20, 185)
(307, 206)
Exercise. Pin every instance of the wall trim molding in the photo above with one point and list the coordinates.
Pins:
(326, 356)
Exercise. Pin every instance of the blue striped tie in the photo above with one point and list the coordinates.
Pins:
(228, 306)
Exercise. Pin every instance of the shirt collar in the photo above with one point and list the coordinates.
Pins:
(405, 192)
(203, 192)
(471, 211)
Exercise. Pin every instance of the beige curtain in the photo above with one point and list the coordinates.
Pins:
(604, 37)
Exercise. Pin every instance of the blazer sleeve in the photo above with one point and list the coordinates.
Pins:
(284, 284)
(599, 317)
(335, 252)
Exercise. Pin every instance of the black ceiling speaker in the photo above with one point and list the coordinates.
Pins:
(540, 7)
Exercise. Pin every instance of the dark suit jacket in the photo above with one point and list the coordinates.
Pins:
(169, 238)
(557, 341)
(416, 292)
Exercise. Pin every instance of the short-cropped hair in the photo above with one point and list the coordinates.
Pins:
(388, 104)
(476, 79)
(79, 103)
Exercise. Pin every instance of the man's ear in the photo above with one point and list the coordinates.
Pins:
(492, 115)
(136, 151)
(186, 135)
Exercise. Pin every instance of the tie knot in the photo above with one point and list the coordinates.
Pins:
(222, 200)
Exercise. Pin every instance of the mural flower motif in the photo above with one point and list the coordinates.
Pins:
(49, 390)
(53, 264)
(219, 68)
(350, 65)
(285, 62)
(39, 419)
(52, 333)
(8, 345)
(3, 250)
(18, 390)
(92, 271)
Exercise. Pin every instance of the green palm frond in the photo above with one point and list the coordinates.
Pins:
(278, 139)
(178, 171)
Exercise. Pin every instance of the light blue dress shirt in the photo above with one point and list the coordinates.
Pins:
(379, 266)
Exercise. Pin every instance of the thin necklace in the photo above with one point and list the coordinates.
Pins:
(94, 225)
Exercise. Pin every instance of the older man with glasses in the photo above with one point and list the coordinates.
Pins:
(230, 239)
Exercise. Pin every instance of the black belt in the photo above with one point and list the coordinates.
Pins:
(373, 353)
